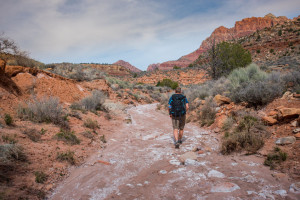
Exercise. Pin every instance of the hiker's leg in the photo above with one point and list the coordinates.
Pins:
(181, 126)
(180, 134)
(175, 132)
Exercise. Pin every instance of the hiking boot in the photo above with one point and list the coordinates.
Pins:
(180, 141)
(177, 145)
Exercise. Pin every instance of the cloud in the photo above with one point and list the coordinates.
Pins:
(139, 31)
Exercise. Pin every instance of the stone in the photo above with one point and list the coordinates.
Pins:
(296, 96)
(297, 136)
(269, 120)
(272, 113)
(216, 174)
(220, 100)
(200, 152)
(297, 130)
(282, 193)
(286, 140)
(287, 95)
(287, 113)
(295, 188)
(294, 123)
(188, 155)
(225, 187)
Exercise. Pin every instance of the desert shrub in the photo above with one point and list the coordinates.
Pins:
(220, 86)
(156, 96)
(43, 110)
(88, 134)
(279, 32)
(67, 136)
(32, 134)
(208, 112)
(10, 153)
(275, 158)
(291, 79)
(227, 125)
(93, 102)
(92, 124)
(43, 131)
(257, 93)
(66, 156)
(122, 84)
(271, 50)
(168, 83)
(176, 67)
(248, 135)
(40, 177)
(245, 75)
(8, 119)
(258, 51)
(11, 139)
(102, 139)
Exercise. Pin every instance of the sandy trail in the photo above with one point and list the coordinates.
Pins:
(145, 165)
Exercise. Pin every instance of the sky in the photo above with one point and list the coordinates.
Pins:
(141, 32)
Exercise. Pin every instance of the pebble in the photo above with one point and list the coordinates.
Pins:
(162, 171)
(286, 140)
(295, 188)
(282, 193)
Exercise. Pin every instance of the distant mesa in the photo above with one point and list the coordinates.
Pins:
(242, 28)
(127, 65)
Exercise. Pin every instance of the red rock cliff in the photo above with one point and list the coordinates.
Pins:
(127, 65)
(242, 28)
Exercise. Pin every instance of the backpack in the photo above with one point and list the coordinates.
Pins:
(178, 105)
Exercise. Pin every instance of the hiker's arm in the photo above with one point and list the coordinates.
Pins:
(187, 106)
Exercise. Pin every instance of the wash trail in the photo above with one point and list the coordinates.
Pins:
(140, 162)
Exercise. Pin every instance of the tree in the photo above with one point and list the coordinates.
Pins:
(225, 57)
(9, 50)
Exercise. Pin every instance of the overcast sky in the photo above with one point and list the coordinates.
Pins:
(141, 32)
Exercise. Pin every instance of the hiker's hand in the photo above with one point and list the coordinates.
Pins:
(170, 116)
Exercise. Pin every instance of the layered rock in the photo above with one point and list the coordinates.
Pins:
(127, 65)
(242, 28)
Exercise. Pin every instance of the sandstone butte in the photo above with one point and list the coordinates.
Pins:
(242, 28)
(127, 65)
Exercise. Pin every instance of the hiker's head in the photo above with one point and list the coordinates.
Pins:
(178, 90)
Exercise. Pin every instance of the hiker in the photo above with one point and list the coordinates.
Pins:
(178, 105)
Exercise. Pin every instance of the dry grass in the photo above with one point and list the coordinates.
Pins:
(68, 137)
(92, 124)
(66, 156)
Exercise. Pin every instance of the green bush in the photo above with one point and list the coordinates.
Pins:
(168, 83)
(279, 32)
(67, 136)
(225, 57)
(275, 158)
(258, 51)
(176, 67)
(8, 119)
(66, 156)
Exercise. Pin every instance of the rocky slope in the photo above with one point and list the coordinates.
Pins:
(127, 65)
(242, 28)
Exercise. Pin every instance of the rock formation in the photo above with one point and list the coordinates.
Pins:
(127, 65)
(242, 28)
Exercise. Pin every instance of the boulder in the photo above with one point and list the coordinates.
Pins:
(294, 123)
(272, 113)
(220, 100)
(287, 113)
(297, 130)
(269, 120)
(297, 136)
(295, 188)
(287, 95)
(286, 140)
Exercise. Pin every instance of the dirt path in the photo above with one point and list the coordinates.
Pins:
(145, 165)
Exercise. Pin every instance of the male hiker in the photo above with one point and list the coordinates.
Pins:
(178, 105)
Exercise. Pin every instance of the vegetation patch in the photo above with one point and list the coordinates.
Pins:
(92, 124)
(248, 135)
(66, 156)
(11, 139)
(208, 113)
(167, 83)
(33, 134)
(67, 136)
(40, 177)
(93, 102)
(275, 158)
(8, 119)
(44, 110)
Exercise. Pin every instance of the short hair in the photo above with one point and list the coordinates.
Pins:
(178, 90)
